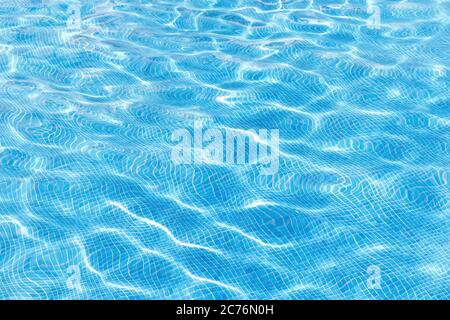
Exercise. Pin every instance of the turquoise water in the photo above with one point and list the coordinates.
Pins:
(92, 205)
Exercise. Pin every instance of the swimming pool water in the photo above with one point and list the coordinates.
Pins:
(93, 207)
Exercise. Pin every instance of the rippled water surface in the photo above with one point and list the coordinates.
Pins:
(92, 207)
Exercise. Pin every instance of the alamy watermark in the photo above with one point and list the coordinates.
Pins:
(374, 277)
(73, 22)
(371, 9)
(73, 281)
(227, 146)
(374, 21)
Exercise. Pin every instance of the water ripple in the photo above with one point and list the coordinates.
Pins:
(92, 207)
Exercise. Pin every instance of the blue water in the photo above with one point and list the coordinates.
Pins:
(92, 207)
